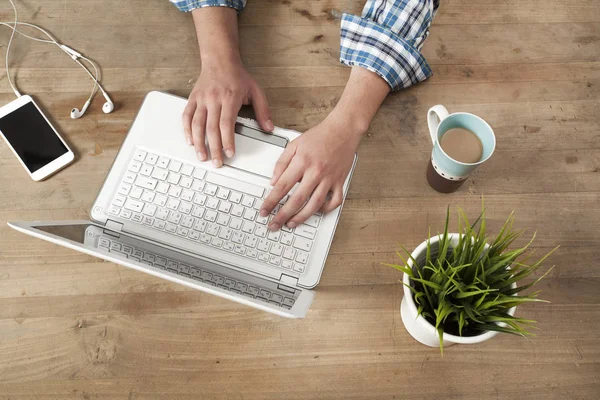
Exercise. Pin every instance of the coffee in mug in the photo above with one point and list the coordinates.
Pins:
(462, 145)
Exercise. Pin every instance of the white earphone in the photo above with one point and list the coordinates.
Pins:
(107, 108)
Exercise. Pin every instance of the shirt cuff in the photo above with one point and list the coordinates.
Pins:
(367, 44)
(189, 5)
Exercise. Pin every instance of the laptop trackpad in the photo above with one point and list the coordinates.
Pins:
(255, 151)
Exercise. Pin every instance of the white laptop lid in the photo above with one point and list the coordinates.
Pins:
(183, 268)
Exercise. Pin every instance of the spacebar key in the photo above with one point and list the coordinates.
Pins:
(234, 184)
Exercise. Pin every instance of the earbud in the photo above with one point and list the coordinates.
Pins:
(109, 106)
(76, 114)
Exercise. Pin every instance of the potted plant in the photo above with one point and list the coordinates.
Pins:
(460, 288)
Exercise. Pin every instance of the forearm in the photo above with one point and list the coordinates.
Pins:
(217, 32)
(362, 97)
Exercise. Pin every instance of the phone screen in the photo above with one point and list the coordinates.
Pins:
(31, 137)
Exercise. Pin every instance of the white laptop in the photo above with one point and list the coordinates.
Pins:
(163, 212)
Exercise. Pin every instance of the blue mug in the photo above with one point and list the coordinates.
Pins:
(444, 173)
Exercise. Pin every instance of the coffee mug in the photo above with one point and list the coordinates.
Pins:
(444, 173)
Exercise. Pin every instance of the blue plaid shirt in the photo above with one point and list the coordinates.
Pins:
(386, 39)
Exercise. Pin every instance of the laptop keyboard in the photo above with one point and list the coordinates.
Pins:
(211, 209)
(252, 291)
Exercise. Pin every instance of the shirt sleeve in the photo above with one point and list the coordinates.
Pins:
(189, 5)
(387, 40)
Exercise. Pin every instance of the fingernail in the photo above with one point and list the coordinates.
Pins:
(264, 213)
(229, 153)
(274, 227)
(291, 225)
(270, 125)
(217, 163)
(201, 156)
(188, 141)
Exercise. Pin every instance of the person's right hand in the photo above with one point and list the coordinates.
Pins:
(214, 104)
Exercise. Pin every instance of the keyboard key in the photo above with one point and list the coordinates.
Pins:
(234, 184)
(151, 159)
(299, 267)
(170, 228)
(124, 189)
(247, 201)
(235, 197)
(160, 174)
(127, 249)
(274, 236)
(251, 253)
(235, 223)
(173, 265)
(250, 214)
(302, 244)
(224, 207)
(174, 166)
(173, 178)
(237, 237)
(226, 233)
(239, 249)
(187, 170)
(174, 218)
(261, 231)
(158, 224)
(216, 242)
(148, 221)
(251, 241)
(198, 185)
(200, 225)
(223, 219)
(289, 253)
(175, 191)
(140, 155)
(160, 200)
(162, 213)
(302, 257)
(210, 215)
(263, 257)
(186, 182)
(185, 207)
(136, 217)
(274, 260)
(306, 231)
(114, 210)
(125, 214)
(212, 229)
(277, 249)
(212, 203)
(136, 192)
(181, 231)
(162, 187)
(199, 173)
(262, 220)
(103, 242)
(129, 177)
(160, 261)
(199, 199)
(173, 204)
(149, 209)
(204, 238)
(238, 211)
(223, 193)
(313, 221)
(134, 205)
(263, 245)
(187, 195)
(287, 264)
(198, 211)
(286, 238)
(187, 221)
(228, 246)
(146, 170)
(163, 162)
(248, 227)
(258, 204)
(288, 302)
(135, 166)
(184, 269)
(210, 190)
(148, 196)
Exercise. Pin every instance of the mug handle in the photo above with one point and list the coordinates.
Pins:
(435, 116)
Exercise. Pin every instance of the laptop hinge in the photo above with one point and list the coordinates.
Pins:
(288, 280)
(113, 226)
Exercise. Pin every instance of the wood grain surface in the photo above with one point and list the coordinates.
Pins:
(75, 327)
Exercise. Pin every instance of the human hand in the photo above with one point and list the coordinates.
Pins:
(213, 105)
(320, 160)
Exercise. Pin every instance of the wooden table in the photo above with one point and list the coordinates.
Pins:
(72, 326)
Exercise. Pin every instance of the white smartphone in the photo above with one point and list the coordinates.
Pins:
(33, 139)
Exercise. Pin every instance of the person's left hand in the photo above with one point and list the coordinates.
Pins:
(320, 160)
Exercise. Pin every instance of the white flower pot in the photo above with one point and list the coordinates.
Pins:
(416, 325)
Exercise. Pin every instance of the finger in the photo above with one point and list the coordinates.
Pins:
(227, 125)
(287, 181)
(261, 108)
(282, 163)
(317, 199)
(214, 134)
(336, 200)
(198, 132)
(295, 203)
(187, 117)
